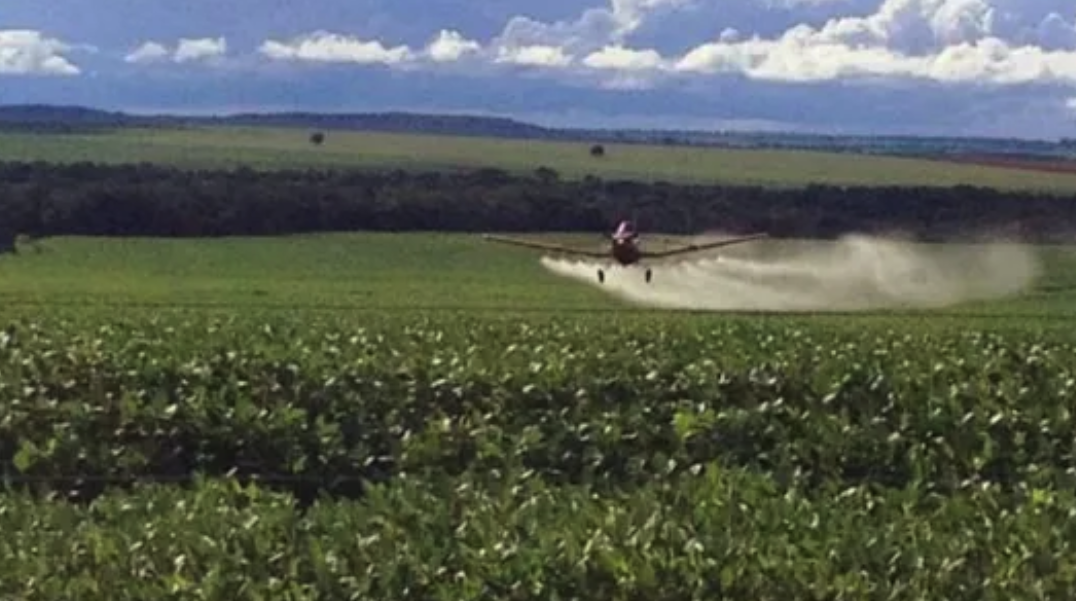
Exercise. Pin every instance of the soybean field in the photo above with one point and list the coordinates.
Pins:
(418, 416)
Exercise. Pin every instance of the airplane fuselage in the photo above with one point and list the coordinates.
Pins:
(626, 251)
(626, 244)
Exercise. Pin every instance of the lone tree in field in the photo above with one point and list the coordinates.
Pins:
(317, 138)
(597, 150)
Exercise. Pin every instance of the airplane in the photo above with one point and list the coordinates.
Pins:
(624, 249)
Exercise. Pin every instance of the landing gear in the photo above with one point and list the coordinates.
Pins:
(601, 276)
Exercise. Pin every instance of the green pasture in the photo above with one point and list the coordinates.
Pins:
(380, 272)
(271, 148)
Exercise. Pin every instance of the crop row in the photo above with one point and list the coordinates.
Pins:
(708, 533)
(317, 406)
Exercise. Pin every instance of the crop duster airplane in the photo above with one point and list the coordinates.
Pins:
(625, 249)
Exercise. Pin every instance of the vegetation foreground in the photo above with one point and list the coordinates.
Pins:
(319, 417)
(418, 457)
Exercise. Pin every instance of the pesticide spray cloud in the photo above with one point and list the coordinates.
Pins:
(853, 273)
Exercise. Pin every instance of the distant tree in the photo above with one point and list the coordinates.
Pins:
(546, 175)
(597, 150)
(317, 138)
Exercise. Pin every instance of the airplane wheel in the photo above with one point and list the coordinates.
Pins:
(601, 277)
(648, 275)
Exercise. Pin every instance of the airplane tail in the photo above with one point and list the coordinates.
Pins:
(628, 226)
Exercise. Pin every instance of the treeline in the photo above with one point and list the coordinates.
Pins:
(41, 199)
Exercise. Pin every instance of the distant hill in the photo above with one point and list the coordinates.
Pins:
(76, 118)
(456, 125)
(48, 118)
(42, 118)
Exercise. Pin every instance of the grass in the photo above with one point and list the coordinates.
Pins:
(271, 148)
(380, 272)
(336, 271)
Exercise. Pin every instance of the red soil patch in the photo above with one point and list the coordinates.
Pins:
(1042, 165)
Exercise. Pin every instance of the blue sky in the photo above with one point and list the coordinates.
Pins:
(985, 67)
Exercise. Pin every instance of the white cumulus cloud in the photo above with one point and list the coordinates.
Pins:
(323, 46)
(450, 46)
(595, 28)
(619, 58)
(187, 50)
(534, 56)
(28, 52)
(629, 15)
(148, 52)
(199, 49)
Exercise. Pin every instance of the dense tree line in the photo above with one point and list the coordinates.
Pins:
(42, 199)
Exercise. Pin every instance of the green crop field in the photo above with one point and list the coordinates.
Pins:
(419, 271)
(375, 416)
(281, 147)
(335, 271)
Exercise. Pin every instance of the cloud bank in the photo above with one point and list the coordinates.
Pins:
(737, 57)
(970, 43)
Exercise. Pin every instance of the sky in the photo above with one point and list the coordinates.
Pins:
(929, 67)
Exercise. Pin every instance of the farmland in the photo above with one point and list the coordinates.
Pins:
(736, 458)
(271, 148)
(192, 410)
(412, 415)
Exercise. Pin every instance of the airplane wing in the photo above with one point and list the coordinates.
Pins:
(547, 246)
(691, 248)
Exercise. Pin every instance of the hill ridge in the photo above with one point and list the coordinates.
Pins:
(60, 118)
